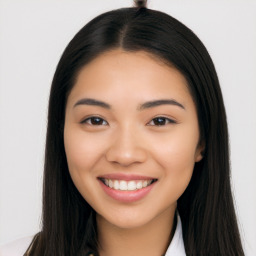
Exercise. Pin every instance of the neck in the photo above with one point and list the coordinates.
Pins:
(151, 239)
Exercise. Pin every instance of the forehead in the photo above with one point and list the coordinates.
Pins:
(129, 74)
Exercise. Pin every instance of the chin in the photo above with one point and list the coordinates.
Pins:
(128, 223)
(126, 220)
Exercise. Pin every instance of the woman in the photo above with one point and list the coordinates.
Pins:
(137, 145)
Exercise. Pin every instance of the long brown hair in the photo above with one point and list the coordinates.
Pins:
(206, 207)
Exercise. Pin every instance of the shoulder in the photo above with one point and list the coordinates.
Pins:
(16, 248)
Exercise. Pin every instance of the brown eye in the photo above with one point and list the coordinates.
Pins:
(161, 121)
(94, 121)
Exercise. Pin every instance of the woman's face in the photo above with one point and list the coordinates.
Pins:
(131, 137)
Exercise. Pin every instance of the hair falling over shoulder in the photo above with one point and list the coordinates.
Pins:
(206, 207)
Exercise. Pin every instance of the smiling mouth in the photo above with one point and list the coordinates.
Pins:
(123, 185)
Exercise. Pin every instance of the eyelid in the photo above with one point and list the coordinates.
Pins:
(168, 119)
(85, 120)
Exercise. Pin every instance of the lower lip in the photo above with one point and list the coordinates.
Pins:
(126, 196)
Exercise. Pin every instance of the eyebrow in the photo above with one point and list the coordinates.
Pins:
(146, 105)
(92, 102)
(155, 103)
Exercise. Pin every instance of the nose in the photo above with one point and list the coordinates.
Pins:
(126, 148)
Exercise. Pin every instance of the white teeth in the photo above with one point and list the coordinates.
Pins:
(127, 185)
(144, 183)
(139, 185)
(132, 185)
(123, 185)
(110, 183)
(116, 184)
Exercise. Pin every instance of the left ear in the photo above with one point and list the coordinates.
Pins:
(199, 154)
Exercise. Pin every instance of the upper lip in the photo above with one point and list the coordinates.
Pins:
(125, 176)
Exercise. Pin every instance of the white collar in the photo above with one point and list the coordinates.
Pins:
(176, 247)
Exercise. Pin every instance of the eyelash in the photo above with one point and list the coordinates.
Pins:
(163, 119)
(100, 121)
(89, 121)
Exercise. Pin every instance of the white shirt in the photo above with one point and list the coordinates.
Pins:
(176, 247)
(19, 247)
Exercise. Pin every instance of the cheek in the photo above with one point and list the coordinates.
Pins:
(82, 153)
(179, 158)
(176, 155)
(81, 150)
(178, 148)
(178, 165)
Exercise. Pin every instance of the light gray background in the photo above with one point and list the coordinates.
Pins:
(33, 35)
